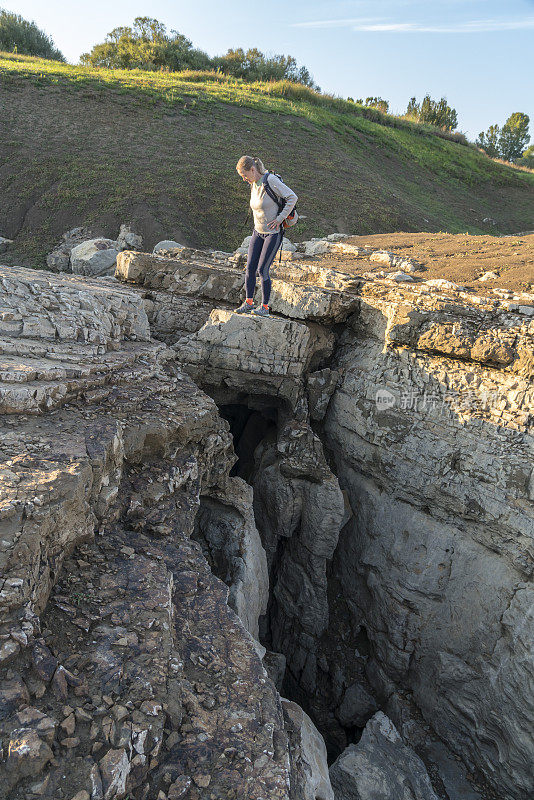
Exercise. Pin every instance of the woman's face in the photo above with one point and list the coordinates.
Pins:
(249, 175)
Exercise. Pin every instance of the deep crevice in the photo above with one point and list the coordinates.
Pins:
(253, 424)
(249, 426)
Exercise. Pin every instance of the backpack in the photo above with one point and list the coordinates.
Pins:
(292, 218)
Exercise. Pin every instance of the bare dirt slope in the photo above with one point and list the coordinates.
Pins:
(460, 258)
(73, 156)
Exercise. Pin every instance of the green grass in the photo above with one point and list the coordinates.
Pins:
(183, 88)
(193, 90)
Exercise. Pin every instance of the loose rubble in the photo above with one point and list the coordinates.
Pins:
(80, 252)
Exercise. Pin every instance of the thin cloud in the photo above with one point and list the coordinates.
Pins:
(374, 25)
(334, 23)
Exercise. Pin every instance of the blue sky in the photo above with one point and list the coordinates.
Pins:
(477, 53)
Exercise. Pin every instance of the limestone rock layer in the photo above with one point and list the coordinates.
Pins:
(339, 497)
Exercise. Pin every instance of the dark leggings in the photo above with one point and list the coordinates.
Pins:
(261, 252)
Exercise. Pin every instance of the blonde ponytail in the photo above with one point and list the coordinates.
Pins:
(246, 163)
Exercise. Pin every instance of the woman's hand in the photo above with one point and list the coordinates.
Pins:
(274, 225)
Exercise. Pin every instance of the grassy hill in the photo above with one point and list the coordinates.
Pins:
(96, 147)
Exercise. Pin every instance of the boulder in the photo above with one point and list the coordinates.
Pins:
(399, 277)
(243, 247)
(128, 240)
(167, 245)
(94, 257)
(316, 247)
(288, 246)
(59, 259)
(382, 257)
(380, 767)
(348, 249)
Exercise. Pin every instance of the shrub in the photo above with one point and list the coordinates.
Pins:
(20, 36)
(527, 159)
(147, 45)
(434, 112)
(374, 102)
(253, 65)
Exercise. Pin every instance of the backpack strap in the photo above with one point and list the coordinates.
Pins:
(278, 200)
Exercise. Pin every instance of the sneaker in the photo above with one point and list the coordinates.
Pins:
(245, 308)
(260, 311)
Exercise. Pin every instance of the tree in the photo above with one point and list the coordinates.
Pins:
(434, 112)
(179, 54)
(489, 141)
(233, 63)
(146, 45)
(507, 142)
(148, 29)
(20, 36)
(514, 136)
(413, 108)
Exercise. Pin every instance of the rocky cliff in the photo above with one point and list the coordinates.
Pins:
(200, 510)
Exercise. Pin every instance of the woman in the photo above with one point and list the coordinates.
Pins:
(267, 233)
